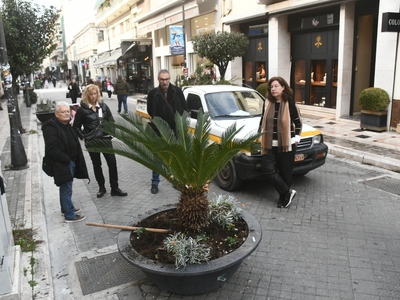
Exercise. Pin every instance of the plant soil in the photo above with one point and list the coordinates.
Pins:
(151, 245)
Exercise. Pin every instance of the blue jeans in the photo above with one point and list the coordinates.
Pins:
(66, 195)
(155, 179)
(122, 99)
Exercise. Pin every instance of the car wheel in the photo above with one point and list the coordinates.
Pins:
(228, 179)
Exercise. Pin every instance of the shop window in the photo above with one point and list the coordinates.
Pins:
(334, 83)
(202, 24)
(248, 73)
(300, 80)
(261, 73)
(318, 82)
(161, 37)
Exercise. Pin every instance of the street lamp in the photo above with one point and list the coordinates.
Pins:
(100, 35)
(183, 32)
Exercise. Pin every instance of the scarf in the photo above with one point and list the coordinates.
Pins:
(283, 127)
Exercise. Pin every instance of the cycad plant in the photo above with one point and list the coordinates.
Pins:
(187, 159)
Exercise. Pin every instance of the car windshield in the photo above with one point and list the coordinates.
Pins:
(234, 104)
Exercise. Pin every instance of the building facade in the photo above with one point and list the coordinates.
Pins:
(329, 50)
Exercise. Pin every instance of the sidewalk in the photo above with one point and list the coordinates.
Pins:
(66, 259)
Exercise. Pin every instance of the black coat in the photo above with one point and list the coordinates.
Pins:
(156, 106)
(89, 119)
(56, 149)
(74, 90)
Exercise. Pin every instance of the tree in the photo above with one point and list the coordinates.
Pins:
(220, 48)
(188, 161)
(29, 31)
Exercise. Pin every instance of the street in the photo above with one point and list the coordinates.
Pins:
(339, 239)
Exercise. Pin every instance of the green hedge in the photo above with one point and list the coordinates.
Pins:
(374, 99)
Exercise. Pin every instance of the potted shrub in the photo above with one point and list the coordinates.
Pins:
(189, 162)
(374, 102)
(45, 110)
(263, 89)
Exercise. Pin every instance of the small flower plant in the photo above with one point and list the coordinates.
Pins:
(224, 211)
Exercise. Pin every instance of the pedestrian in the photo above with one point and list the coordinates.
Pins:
(121, 88)
(74, 90)
(63, 149)
(54, 80)
(164, 101)
(109, 88)
(92, 113)
(97, 82)
(282, 126)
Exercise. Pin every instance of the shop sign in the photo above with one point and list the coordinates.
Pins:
(176, 38)
(390, 22)
(317, 21)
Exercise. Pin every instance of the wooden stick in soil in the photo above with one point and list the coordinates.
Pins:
(123, 227)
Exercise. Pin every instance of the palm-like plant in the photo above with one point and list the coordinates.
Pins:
(187, 160)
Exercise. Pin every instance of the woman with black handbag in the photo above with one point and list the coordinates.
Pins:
(73, 90)
(88, 122)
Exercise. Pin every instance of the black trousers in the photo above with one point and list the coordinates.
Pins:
(278, 166)
(98, 171)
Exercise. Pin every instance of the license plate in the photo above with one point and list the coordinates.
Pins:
(299, 157)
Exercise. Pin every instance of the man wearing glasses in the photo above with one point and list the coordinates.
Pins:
(63, 149)
(164, 101)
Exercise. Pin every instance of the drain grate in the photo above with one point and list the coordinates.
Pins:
(106, 271)
(385, 183)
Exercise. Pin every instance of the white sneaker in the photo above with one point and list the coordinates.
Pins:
(291, 197)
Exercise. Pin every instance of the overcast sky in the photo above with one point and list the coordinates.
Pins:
(77, 13)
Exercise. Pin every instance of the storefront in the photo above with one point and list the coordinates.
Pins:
(255, 61)
(314, 51)
(172, 48)
(135, 64)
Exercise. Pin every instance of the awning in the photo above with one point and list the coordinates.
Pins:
(108, 60)
(135, 42)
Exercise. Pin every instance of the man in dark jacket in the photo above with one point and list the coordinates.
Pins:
(164, 101)
(121, 88)
(63, 149)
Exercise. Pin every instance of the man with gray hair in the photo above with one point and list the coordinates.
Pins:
(164, 101)
(64, 153)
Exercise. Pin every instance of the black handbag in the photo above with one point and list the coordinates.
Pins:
(68, 95)
(96, 133)
(47, 166)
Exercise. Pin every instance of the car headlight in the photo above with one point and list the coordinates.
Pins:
(317, 139)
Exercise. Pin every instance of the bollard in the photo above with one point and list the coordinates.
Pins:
(19, 160)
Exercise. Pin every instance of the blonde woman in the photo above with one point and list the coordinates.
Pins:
(88, 119)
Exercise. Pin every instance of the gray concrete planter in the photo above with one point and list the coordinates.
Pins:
(192, 279)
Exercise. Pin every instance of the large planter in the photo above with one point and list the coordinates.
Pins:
(44, 116)
(196, 278)
(374, 120)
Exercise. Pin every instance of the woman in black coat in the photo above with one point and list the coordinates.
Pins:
(63, 150)
(89, 116)
(74, 90)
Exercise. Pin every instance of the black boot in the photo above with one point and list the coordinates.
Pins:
(118, 192)
(102, 191)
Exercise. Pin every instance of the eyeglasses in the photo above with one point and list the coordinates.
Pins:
(63, 112)
(164, 79)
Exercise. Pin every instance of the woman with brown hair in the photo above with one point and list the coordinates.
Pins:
(282, 127)
(88, 119)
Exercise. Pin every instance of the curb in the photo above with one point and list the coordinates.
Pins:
(364, 158)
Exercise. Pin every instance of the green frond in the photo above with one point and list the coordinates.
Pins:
(188, 160)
